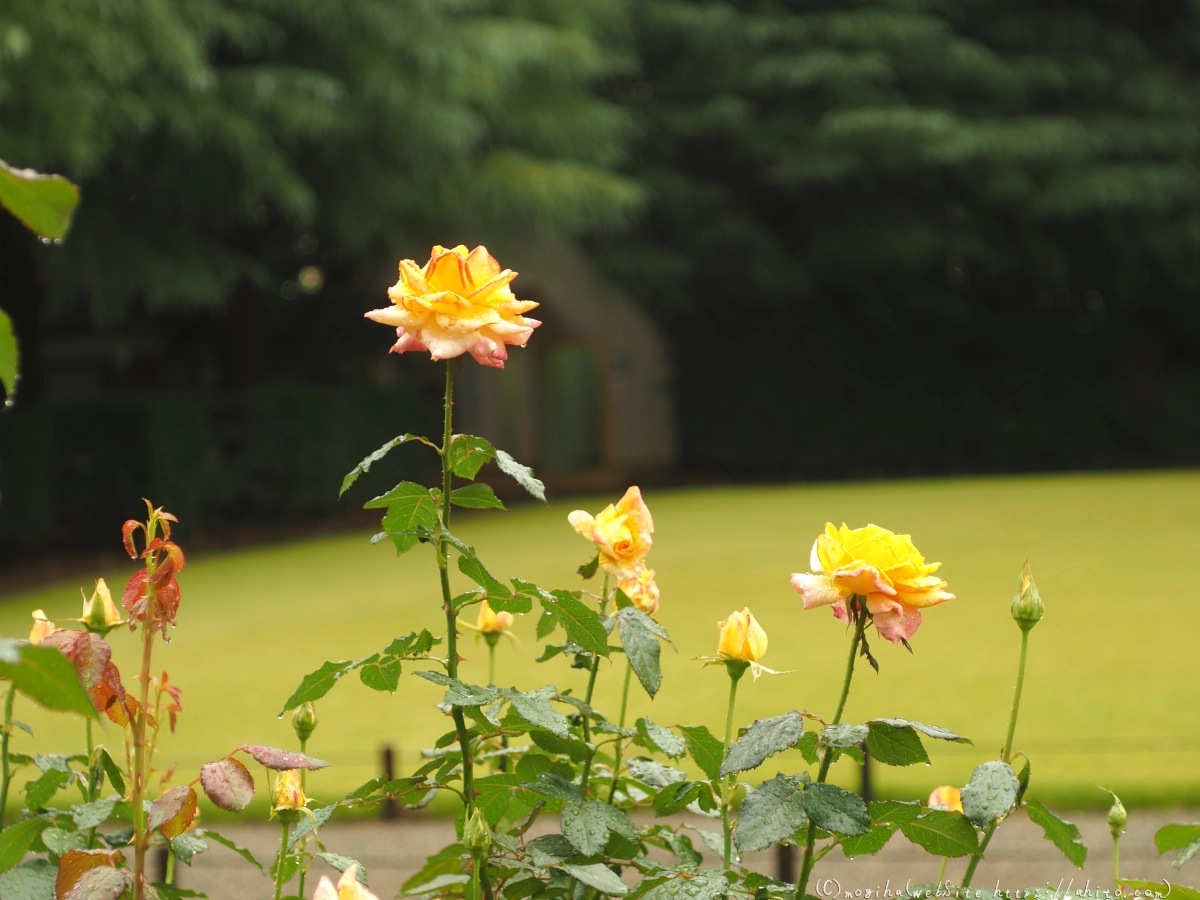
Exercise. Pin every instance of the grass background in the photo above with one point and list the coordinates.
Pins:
(1111, 688)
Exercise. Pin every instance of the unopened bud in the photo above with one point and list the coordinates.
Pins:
(1117, 817)
(289, 792)
(100, 614)
(1027, 607)
(304, 721)
(477, 836)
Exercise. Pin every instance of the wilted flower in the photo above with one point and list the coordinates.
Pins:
(946, 797)
(621, 533)
(289, 792)
(883, 568)
(642, 591)
(348, 887)
(100, 614)
(741, 637)
(493, 622)
(42, 627)
(1027, 608)
(458, 303)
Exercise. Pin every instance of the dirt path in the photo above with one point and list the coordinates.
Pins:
(1019, 857)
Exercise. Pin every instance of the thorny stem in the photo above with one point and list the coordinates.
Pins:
(5, 775)
(139, 728)
(283, 846)
(303, 868)
(857, 607)
(443, 560)
(587, 720)
(1006, 757)
(612, 791)
(727, 785)
(91, 775)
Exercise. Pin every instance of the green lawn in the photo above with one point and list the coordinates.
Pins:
(1110, 693)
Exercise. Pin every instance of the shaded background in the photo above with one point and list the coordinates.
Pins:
(771, 239)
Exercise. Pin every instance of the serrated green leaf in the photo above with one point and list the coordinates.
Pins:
(184, 847)
(895, 745)
(763, 738)
(705, 749)
(31, 880)
(990, 794)
(112, 770)
(380, 673)
(598, 876)
(47, 677)
(469, 454)
(675, 797)
(843, 736)
(409, 507)
(681, 846)
(580, 621)
(943, 833)
(58, 840)
(460, 694)
(1173, 837)
(553, 786)
(836, 810)
(807, 745)
(342, 863)
(39, 791)
(476, 496)
(1064, 835)
(546, 622)
(523, 475)
(585, 826)
(894, 812)
(933, 731)
(537, 711)
(495, 795)
(90, 815)
(43, 203)
(550, 849)
(588, 570)
(653, 774)
(707, 884)
(316, 685)
(641, 648)
(575, 749)
(870, 843)
(661, 738)
(771, 812)
(17, 838)
(1160, 889)
(368, 461)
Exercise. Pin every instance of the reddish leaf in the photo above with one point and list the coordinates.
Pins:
(109, 696)
(127, 531)
(282, 760)
(74, 863)
(175, 556)
(173, 812)
(101, 883)
(167, 598)
(228, 784)
(134, 597)
(89, 652)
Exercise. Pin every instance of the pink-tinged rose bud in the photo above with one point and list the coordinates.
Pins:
(460, 302)
(42, 627)
(493, 622)
(621, 533)
(289, 792)
(946, 797)
(878, 565)
(642, 591)
(348, 887)
(741, 637)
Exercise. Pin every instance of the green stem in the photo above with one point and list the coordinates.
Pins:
(5, 776)
(726, 785)
(827, 757)
(138, 791)
(1007, 755)
(1116, 862)
(587, 719)
(491, 662)
(92, 776)
(942, 870)
(612, 791)
(304, 843)
(169, 875)
(283, 846)
(443, 560)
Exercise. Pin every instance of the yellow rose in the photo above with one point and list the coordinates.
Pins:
(642, 590)
(42, 627)
(458, 303)
(289, 793)
(882, 567)
(741, 637)
(99, 611)
(348, 887)
(493, 622)
(946, 797)
(621, 533)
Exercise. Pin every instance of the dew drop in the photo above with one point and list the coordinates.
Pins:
(45, 240)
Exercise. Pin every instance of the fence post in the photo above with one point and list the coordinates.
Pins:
(785, 862)
(389, 809)
(866, 774)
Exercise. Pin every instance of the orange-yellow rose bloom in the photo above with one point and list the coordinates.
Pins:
(878, 565)
(496, 622)
(621, 533)
(741, 638)
(289, 792)
(348, 887)
(42, 627)
(642, 590)
(460, 302)
(946, 797)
